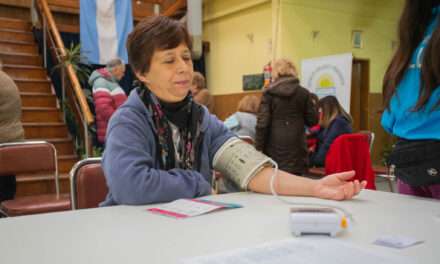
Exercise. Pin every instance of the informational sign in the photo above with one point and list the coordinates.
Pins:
(330, 75)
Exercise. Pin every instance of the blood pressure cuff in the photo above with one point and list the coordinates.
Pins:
(239, 161)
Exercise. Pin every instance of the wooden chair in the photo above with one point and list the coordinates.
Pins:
(380, 171)
(87, 184)
(32, 157)
(351, 152)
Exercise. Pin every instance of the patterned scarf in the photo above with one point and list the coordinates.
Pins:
(187, 117)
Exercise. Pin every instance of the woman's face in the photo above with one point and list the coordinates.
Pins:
(170, 75)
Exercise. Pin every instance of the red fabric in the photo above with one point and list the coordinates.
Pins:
(312, 140)
(351, 152)
(105, 106)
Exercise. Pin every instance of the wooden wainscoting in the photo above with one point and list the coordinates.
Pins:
(226, 104)
(382, 140)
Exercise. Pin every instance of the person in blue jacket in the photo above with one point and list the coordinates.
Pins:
(334, 121)
(411, 93)
(161, 144)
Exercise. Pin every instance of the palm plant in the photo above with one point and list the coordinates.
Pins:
(72, 56)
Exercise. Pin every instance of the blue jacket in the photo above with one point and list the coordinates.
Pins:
(400, 120)
(131, 162)
(337, 127)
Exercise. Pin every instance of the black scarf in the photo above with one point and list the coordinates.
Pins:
(187, 117)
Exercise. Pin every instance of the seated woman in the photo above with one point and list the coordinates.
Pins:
(243, 121)
(162, 146)
(334, 121)
(200, 93)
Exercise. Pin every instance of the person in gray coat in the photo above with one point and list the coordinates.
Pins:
(11, 128)
(243, 121)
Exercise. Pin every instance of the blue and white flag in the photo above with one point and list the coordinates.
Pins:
(104, 27)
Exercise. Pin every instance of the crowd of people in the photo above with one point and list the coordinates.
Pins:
(161, 141)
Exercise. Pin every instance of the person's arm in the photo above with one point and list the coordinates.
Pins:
(129, 164)
(264, 118)
(334, 187)
(310, 113)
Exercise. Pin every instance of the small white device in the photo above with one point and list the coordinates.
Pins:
(317, 221)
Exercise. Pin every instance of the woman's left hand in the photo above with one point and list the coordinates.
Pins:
(337, 187)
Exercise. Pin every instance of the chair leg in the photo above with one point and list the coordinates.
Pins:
(2, 214)
(390, 184)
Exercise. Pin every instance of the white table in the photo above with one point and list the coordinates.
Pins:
(129, 234)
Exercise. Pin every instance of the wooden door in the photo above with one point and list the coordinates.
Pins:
(359, 94)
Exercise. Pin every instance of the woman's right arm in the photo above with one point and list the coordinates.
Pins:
(130, 169)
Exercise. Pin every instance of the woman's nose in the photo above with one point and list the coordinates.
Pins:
(182, 65)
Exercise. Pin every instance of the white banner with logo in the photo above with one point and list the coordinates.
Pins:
(330, 75)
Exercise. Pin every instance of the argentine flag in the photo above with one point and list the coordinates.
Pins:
(104, 27)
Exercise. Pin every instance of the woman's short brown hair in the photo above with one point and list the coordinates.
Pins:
(151, 34)
(283, 67)
(249, 104)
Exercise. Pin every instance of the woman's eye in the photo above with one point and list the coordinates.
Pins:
(169, 61)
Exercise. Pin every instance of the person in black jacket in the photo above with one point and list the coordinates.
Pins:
(286, 108)
(334, 121)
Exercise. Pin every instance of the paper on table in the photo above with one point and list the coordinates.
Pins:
(397, 241)
(183, 208)
(302, 251)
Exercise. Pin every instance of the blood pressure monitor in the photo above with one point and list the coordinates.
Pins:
(308, 220)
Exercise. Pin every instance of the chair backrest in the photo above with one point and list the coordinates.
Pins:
(370, 138)
(29, 157)
(247, 139)
(351, 152)
(87, 184)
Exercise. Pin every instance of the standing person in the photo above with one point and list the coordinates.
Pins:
(200, 93)
(286, 108)
(243, 121)
(311, 132)
(411, 92)
(162, 146)
(107, 94)
(11, 129)
(333, 122)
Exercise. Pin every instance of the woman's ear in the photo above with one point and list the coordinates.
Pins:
(142, 78)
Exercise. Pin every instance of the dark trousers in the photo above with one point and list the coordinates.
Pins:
(7, 187)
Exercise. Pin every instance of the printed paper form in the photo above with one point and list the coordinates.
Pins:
(301, 251)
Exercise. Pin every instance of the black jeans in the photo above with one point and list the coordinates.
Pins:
(7, 187)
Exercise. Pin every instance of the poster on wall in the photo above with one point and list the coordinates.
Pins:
(330, 75)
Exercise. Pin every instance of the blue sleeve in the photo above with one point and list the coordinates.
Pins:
(387, 121)
(338, 127)
(129, 166)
